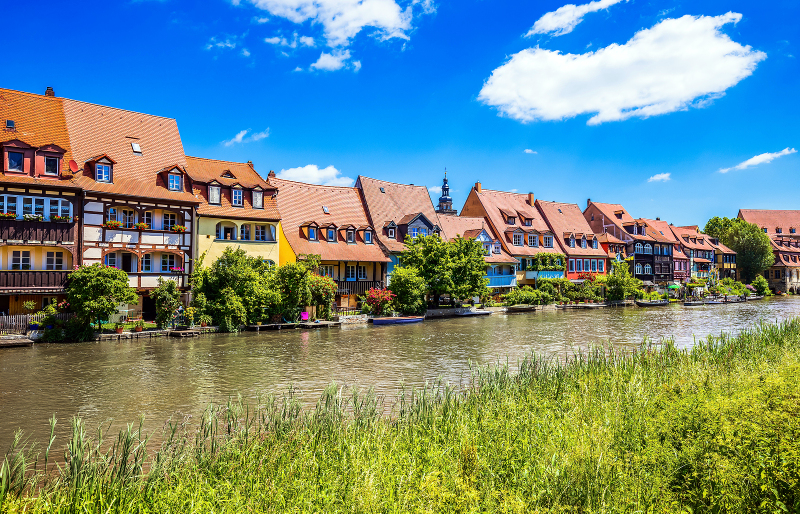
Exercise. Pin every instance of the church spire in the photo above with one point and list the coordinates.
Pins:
(445, 202)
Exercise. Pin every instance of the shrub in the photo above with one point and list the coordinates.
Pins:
(527, 295)
(167, 298)
(761, 286)
(378, 300)
(409, 290)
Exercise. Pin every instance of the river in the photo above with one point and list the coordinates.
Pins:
(172, 378)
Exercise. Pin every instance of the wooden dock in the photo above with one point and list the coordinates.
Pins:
(320, 324)
(272, 326)
(184, 333)
(14, 342)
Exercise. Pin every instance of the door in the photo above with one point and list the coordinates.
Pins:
(4, 305)
(126, 262)
(148, 308)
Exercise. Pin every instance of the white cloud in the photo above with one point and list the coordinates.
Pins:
(312, 174)
(276, 40)
(293, 43)
(307, 41)
(240, 137)
(528, 150)
(261, 20)
(428, 7)
(245, 52)
(676, 64)
(764, 158)
(334, 61)
(435, 189)
(513, 190)
(660, 177)
(564, 19)
(342, 20)
(298, 69)
(229, 42)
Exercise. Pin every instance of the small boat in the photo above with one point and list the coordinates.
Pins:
(401, 320)
(656, 303)
(521, 308)
(694, 304)
(714, 302)
(754, 297)
(473, 313)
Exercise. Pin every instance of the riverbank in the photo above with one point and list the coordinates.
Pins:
(715, 426)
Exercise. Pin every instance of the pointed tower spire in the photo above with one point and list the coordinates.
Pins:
(445, 202)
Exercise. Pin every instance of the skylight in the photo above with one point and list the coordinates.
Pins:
(325, 209)
(136, 148)
(10, 124)
(383, 190)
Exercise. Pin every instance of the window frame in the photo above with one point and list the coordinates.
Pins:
(106, 168)
(214, 190)
(54, 261)
(164, 224)
(351, 237)
(147, 263)
(391, 233)
(312, 234)
(50, 157)
(260, 196)
(368, 237)
(548, 241)
(235, 196)
(21, 161)
(178, 183)
(170, 261)
(330, 235)
(517, 239)
(20, 260)
(244, 230)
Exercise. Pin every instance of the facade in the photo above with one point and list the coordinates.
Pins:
(681, 259)
(582, 247)
(331, 222)
(614, 248)
(238, 210)
(522, 230)
(697, 247)
(724, 259)
(397, 211)
(782, 228)
(39, 201)
(501, 268)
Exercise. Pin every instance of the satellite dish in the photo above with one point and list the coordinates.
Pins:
(73, 166)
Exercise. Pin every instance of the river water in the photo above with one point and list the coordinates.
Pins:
(171, 378)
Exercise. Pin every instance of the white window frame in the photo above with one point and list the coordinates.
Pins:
(362, 272)
(533, 240)
(391, 233)
(638, 270)
(572, 241)
(517, 239)
(578, 265)
(648, 250)
(583, 242)
(351, 236)
(174, 181)
(127, 217)
(21, 260)
(102, 173)
(326, 270)
(496, 248)
(594, 265)
(350, 273)
(648, 270)
(368, 237)
(237, 197)
(312, 234)
(548, 241)
(331, 235)
(51, 158)
(258, 199)
(111, 260)
(638, 248)
(21, 162)
(414, 232)
(214, 195)
(601, 265)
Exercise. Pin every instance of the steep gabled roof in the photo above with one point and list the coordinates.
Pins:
(772, 220)
(567, 218)
(467, 227)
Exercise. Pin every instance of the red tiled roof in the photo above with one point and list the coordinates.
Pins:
(394, 203)
(299, 203)
(773, 220)
(208, 170)
(567, 219)
(467, 227)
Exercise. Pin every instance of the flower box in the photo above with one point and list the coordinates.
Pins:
(60, 219)
(33, 217)
(142, 226)
(176, 270)
(178, 228)
(113, 224)
(7, 216)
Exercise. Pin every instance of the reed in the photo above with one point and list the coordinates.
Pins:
(714, 428)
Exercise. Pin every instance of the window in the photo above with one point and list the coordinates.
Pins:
(27, 206)
(601, 266)
(778, 230)
(594, 244)
(423, 231)
(548, 241)
(213, 195)
(15, 161)
(648, 249)
(174, 182)
(236, 197)
(51, 165)
(326, 270)
(170, 220)
(368, 237)
(583, 242)
(765, 230)
(572, 241)
(147, 263)
(11, 205)
(517, 239)
(263, 233)
(111, 260)
(167, 262)
(391, 233)
(638, 269)
(533, 240)
(102, 173)
(414, 231)
(312, 233)
(526, 222)
(331, 235)
(351, 236)
(362, 273)
(258, 199)
(578, 265)
(128, 218)
(244, 232)
(55, 261)
(350, 273)
(54, 208)
(512, 220)
(571, 265)
(586, 265)
(792, 230)
(10, 125)
(497, 247)
(648, 270)
(325, 209)
(21, 260)
(594, 265)
(137, 148)
(148, 218)
(639, 248)
(487, 249)
(38, 206)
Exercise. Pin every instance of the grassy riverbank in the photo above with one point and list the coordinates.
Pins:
(715, 428)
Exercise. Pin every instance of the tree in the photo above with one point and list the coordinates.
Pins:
(378, 300)
(467, 269)
(95, 292)
(167, 298)
(753, 249)
(719, 227)
(409, 289)
(323, 294)
(431, 257)
(620, 283)
(761, 286)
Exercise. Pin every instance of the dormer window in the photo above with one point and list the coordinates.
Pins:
(213, 195)
(174, 181)
(517, 239)
(583, 242)
(15, 161)
(414, 231)
(533, 240)
(594, 244)
(765, 230)
(792, 230)
(312, 233)
(236, 198)
(572, 241)
(527, 222)
(51, 166)
(512, 220)
(331, 234)
(103, 173)
(497, 247)
(778, 230)
(391, 233)
(368, 237)
(351, 236)
(258, 199)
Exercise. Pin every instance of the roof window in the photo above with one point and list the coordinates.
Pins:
(137, 149)
(10, 124)
(325, 209)
(560, 211)
(383, 190)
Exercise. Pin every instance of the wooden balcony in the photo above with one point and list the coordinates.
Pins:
(18, 230)
(19, 279)
(359, 287)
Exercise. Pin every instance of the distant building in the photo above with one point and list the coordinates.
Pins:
(445, 202)
(782, 229)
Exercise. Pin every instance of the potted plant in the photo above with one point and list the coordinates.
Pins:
(60, 219)
(142, 226)
(179, 228)
(176, 269)
(139, 326)
(33, 217)
(204, 320)
(119, 327)
(7, 216)
(113, 224)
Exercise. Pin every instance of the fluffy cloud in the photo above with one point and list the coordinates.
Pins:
(335, 61)
(660, 177)
(313, 174)
(676, 64)
(528, 150)
(435, 189)
(245, 52)
(293, 43)
(759, 159)
(342, 20)
(227, 43)
(565, 19)
(240, 137)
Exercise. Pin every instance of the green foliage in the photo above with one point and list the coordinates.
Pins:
(95, 292)
(528, 296)
(467, 268)
(729, 287)
(752, 246)
(431, 256)
(378, 300)
(167, 298)
(721, 227)
(409, 289)
(620, 283)
(205, 318)
(229, 311)
(548, 262)
(323, 294)
(29, 306)
(761, 286)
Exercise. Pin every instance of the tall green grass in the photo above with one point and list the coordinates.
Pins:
(715, 428)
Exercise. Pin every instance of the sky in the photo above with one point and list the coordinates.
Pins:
(682, 111)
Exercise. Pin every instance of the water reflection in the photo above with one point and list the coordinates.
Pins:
(166, 378)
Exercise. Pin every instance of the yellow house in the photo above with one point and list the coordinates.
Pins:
(238, 210)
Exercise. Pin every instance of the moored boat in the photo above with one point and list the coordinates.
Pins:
(401, 320)
(521, 308)
(647, 303)
(694, 304)
(473, 313)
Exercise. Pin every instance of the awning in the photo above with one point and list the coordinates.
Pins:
(674, 286)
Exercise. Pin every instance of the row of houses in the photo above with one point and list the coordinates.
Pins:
(83, 183)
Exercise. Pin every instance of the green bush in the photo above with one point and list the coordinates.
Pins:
(409, 289)
(527, 295)
(762, 286)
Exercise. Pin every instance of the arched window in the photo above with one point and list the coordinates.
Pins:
(638, 247)
(226, 230)
(648, 270)
(648, 249)
(638, 269)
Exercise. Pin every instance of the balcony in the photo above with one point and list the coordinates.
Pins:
(24, 279)
(358, 287)
(18, 230)
(533, 275)
(502, 280)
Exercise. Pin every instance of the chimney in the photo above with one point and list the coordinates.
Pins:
(658, 218)
(49, 91)
(478, 187)
(588, 201)
(530, 199)
(271, 174)
(250, 163)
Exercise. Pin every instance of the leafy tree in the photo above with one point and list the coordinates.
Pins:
(167, 298)
(431, 256)
(761, 286)
(620, 283)
(294, 287)
(378, 300)
(229, 311)
(467, 268)
(323, 294)
(409, 289)
(95, 292)
(528, 296)
(753, 249)
(719, 227)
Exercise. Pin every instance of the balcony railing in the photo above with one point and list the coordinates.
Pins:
(359, 287)
(14, 279)
(502, 280)
(18, 230)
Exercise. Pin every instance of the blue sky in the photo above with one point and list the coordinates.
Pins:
(606, 96)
